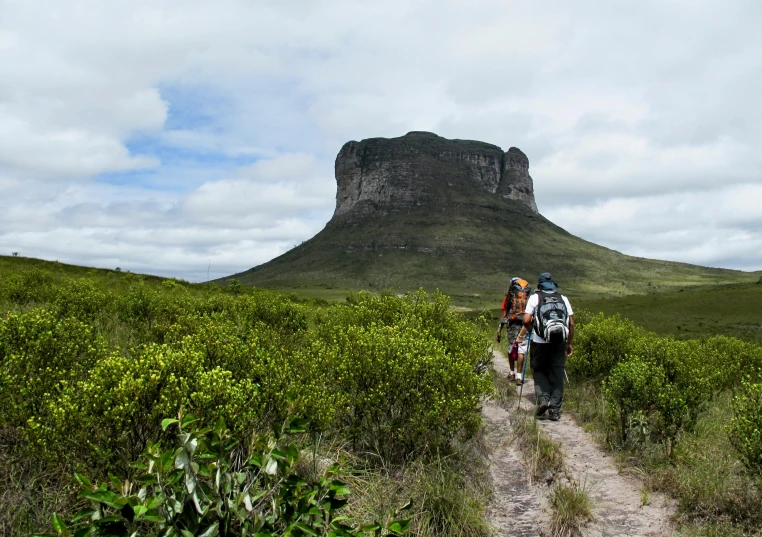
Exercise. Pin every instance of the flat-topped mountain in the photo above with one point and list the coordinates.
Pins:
(459, 215)
(422, 168)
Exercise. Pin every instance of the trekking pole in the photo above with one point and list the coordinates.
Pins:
(567, 377)
(524, 369)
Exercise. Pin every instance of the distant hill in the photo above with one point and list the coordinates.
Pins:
(424, 211)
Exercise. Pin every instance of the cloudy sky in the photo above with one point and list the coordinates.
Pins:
(186, 138)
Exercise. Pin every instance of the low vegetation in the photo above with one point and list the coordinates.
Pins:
(691, 312)
(542, 454)
(571, 508)
(375, 401)
(687, 413)
(90, 366)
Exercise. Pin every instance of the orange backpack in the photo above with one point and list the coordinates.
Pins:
(515, 301)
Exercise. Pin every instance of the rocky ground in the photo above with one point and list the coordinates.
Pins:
(520, 508)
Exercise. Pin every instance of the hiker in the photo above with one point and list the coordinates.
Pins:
(514, 303)
(550, 319)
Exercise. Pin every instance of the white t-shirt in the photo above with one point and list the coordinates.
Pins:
(532, 306)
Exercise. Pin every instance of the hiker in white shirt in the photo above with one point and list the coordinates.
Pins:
(550, 318)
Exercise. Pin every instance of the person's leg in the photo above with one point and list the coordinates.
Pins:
(519, 368)
(542, 387)
(556, 366)
(512, 332)
(520, 361)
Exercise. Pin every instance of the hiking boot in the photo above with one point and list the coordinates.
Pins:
(541, 409)
(519, 382)
(511, 375)
(554, 414)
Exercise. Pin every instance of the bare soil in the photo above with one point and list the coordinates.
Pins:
(520, 508)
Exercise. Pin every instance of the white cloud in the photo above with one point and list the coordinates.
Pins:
(711, 228)
(216, 123)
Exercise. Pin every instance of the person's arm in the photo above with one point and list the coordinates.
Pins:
(529, 314)
(504, 320)
(528, 318)
(570, 339)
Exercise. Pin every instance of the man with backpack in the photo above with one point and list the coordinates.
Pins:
(550, 319)
(514, 304)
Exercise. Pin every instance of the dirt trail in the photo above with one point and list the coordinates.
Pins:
(519, 508)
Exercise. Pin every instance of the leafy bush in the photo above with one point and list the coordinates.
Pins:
(139, 307)
(656, 386)
(86, 376)
(601, 343)
(410, 381)
(730, 360)
(82, 299)
(672, 404)
(259, 307)
(198, 489)
(631, 390)
(235, 286)
(746, 426)
(31, 286)
(116, 411)
(42, 356)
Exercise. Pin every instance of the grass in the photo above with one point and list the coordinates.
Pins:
(60, 272)
(505, 392)
(30, 492)
(542, 454)
(571, 508)
(450, 493)
(731, 310)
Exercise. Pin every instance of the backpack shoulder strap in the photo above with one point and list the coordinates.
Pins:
(536, 322)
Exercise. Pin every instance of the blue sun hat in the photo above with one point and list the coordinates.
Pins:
(546, 283)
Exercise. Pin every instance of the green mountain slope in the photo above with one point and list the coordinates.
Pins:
(470, 245)
(727, 310)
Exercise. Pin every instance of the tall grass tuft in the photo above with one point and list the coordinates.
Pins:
(543, 455)
(571, 509)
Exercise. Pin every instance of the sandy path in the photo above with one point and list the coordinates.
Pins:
(616, 498)
(517, 506)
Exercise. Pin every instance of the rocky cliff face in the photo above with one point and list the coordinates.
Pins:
(421, 168)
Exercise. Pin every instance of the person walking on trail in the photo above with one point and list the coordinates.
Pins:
(514, 303)
(550, 319)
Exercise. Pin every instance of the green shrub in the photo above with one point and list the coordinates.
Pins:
(746, 426)
(235, 286)
(31, 286)
(198, 489)
(729, 360)
(410, 381)
(40, 357)
(662, 386)
(600, 344)
(259, 307)
(139, 306)
(687, 385)
(631, 391)
(394, 376)
(83, 300)
(117, 409)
